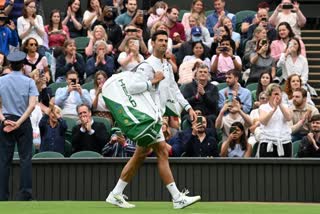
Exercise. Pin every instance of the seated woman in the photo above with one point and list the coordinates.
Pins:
(264, 80)
(236, 144)
(56, 32)
(69, 60)
(73, 18)
(98, 105)
(92, 13)
(131, 57)
(292, 62)
(196, 8)
(261, 61)
(100, 61)
(98, 33)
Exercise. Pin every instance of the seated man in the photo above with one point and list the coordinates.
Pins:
(309, 146)
(88, 135)
(69, 97)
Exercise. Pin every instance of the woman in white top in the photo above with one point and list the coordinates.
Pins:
(98, 105)
(236, 145)
(196, 8)
(93, 11)
(275, 138)
(30, 24)
(292, 62)
(284, 13)
(130, 58)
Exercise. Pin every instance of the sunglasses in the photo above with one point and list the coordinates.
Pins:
(131, 30)
(262, 98)
(33, 44)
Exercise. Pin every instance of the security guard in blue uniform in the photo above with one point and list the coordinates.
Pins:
(18, 96)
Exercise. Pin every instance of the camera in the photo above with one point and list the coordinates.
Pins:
(233, 129)
(224, 49)
(199, 119)
(263, 42)
(73, 81)
(287, 6)
(230, 98)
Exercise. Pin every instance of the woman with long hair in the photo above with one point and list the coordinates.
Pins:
(131, 57)
(98, 33)
(236, 144)
(92, 13)
(196, 8)
(292, 62)
(226, 21)
(56, 32)
(264, 80)
(285, 33)
(73, 18)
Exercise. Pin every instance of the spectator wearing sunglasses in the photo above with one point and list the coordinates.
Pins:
(136, 33)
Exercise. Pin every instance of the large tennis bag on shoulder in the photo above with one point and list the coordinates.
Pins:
(137, 115)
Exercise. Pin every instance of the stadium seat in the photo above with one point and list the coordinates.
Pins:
(240, 16)
(181, 13)
(86, 154)
(81, 43)
(71, 122)
(222, 85)
(295, 148)
(105, 121)
(48, 155)
(54, 86)
(88, 86)
(67, 148)
(252, 86)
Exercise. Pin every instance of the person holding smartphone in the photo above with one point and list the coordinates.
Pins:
(290, 12)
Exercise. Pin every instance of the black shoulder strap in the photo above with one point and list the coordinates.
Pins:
(33, 66)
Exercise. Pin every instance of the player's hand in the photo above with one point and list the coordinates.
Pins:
(158, 76)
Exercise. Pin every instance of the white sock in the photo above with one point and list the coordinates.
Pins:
(175, 193)
(118, 189)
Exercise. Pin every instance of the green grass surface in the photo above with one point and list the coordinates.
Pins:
(70, 207)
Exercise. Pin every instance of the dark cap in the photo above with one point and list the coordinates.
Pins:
(16, 56)
(315, 117)
(196, 31)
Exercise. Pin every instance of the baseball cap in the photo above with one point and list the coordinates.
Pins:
(196, 31)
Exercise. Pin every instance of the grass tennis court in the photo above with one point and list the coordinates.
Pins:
(72, 207)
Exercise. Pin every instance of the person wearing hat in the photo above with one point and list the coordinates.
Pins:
(8, 33)
(310, 144)
(18, 94)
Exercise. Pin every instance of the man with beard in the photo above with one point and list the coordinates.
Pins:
(302, 112)
(173, 24)
(125, 18)
(107, 21)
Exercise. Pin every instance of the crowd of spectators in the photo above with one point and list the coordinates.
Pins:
(213, 60)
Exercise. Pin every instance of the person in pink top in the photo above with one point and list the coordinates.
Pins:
(158, 13)
(196, 7)
(285, 33)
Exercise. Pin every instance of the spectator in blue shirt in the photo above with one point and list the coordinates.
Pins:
(8, 33)
(125, 18)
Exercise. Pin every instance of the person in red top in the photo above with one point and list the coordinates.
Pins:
(173, 24)
(56, 32)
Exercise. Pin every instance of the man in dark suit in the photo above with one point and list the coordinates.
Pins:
(88, 135)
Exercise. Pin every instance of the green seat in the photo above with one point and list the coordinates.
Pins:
(209, 12)
(48, 155)
(54, 86)
(295, 148)
(67, 148)
(222, 85)
(81, 43)
(88, 86)
(252, 86)
(71, 122)
(181, 13)
(240, 16)
(86, 154)
(106, 123)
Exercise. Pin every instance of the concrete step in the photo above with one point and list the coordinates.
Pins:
(314, 83)
(312, 47)
(311, 40)
(314, 68)
(314, 61)
(313, 54)
(310, 33)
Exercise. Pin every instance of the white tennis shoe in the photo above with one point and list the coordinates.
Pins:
(119, 200)
(185, 201)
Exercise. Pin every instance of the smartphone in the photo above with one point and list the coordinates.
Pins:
(263, 42)
(217, 32)
(264, 19)
(233, 129)
(119, 133)
(136, 43)
(199, 119)
(73, 81)
(287, 6)
(230, 98)
(41, 72)
(224, 49)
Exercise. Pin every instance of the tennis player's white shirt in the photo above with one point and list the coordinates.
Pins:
(141, 82)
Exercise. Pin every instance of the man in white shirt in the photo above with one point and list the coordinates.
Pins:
(155, 76)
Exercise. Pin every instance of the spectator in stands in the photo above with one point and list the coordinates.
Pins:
(69, 97)
(197, 10)
(130, 58)
(262, 21)
(14, 9)
(201, 94)
(284, 13)
(293, 82)
(222, 31)
(162, 26)
(158, 13)
(56, 32)
(302, 113)
(275, 138)
(125, 18)
(293, 62)
(173, 24)
(98, 33)
(219, 11)
(69, 60)
(73, 18)
(278, 46)
(194, 21)
(139, 22)
(89, 135)
(236, 145)
(166, 130)
(52, 130)
(133, 32)
(309, 146)
(202, 141)
(92, 13)
(225, 60)
(3, 62)
(226, 21)
(31, 25)
(112, 29)
(255, 129)
(34, 59)
(232, 111)
(98, 105)
(261, 61)
(264, 80)
(119, 145)
(100, 61)
(235, 89)
(8, 33)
